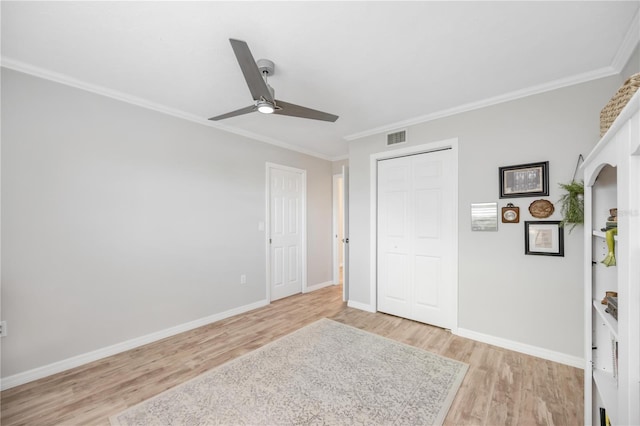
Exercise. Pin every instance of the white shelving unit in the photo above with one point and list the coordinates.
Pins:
(612, 349)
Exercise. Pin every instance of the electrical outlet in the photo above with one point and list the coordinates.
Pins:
(243, 279)
(3, 329)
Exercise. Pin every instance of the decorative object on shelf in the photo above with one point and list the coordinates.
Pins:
(611, 111)
(541, 209)
(612, 306)
(510, 214)
(608, 294)
(484, 216)
(612, 220)
(524, 180)
(544, 238)
(572, 202)
(610, 260)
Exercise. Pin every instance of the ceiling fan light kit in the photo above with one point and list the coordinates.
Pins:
(265, 107)
(255, 74)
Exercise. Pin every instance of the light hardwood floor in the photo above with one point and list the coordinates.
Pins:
(501, 387)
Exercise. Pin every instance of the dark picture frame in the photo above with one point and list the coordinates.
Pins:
(524, 180)
(544, 238)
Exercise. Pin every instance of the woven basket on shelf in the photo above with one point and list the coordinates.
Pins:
(611, 111)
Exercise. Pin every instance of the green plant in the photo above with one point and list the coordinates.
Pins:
(572, 204)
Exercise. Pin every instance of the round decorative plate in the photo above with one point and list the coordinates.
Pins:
(541, 209)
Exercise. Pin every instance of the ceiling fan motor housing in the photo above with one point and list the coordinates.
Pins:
(266, 66)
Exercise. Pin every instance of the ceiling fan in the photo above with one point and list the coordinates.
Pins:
(255, 74)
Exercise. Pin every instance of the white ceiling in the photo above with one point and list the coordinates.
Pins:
(378, 65)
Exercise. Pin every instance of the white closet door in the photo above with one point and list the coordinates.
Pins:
(415, 238)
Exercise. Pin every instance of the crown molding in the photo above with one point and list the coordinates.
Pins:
(628, 45)
(26, 68)
(518, 94)
(340, 157)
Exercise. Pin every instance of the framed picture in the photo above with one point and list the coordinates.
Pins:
(544, 238)
(484, 216)
(524, 180)
(510, 214)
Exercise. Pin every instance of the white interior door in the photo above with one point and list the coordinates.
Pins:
(286, 231)
(416, 259)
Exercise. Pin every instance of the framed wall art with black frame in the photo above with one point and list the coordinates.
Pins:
(544, 238)
(524, 180)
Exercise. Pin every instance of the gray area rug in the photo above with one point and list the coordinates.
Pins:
(326, 373)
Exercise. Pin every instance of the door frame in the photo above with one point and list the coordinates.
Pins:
(451, 144)
(345, 233)
(338, 183)
(303, 263)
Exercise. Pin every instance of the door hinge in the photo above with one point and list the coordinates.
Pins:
(269, 240)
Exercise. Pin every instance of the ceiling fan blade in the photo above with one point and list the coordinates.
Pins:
(241, 111)
(252, 76)
(299, 111)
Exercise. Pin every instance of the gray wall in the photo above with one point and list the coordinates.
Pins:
(534, 300)
(337, 166)
(633, 64)
(118, 222)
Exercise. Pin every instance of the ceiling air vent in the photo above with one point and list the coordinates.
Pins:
(396, 138)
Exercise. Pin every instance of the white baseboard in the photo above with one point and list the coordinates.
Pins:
(361, 306)
(76, 361)
(536, 351)
(315, 287)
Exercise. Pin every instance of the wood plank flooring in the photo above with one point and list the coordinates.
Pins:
(501, 387)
